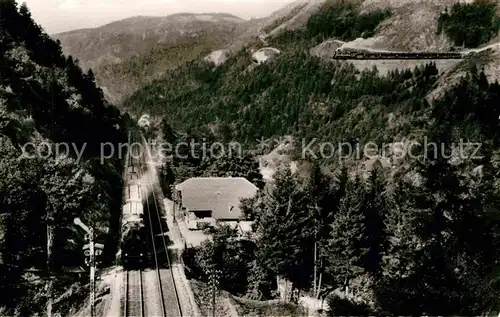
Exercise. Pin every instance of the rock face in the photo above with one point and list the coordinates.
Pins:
(280, 19)
(326, 49)
(265, 54)
(279, 157)
(412, 25)
(218, 57)
(304, 9)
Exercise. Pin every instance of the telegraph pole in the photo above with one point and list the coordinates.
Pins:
(213, 295)
(49, 263)
(214, 282)
(174, 199)
(92, 271)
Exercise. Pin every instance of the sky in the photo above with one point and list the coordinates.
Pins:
(64, 15)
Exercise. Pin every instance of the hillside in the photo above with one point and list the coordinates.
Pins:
(233, 99)
(129, 53)
(53, 120)
(291, 16)
(412, 25)
(374, 199)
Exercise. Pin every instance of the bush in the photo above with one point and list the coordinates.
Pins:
(232, 256)
(247, 307)
(344, 307)
(261, 282)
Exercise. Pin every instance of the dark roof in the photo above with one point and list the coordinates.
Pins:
(221, 195)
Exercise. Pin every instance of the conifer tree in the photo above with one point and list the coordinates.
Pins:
(376, 208)
(320, 190)
(285, 230)
(348, 243)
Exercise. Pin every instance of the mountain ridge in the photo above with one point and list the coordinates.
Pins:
(128, 53)
(151, 18)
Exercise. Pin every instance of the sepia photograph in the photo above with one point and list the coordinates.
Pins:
(247, 158)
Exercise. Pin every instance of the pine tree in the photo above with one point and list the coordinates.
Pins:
(167, 179)
(348, 243)
(285, 231)
(376, 208)
(402, 277)
(90, 76)
(168, 133)
(322, 206)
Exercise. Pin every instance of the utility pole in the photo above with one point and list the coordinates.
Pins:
(49, 263)
(214, 282)
(92, 271)
(213, 297)
(174, 200)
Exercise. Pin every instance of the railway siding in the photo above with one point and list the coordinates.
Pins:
(169, 293)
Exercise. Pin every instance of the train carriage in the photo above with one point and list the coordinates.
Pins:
(351, 53)
(133, 192)
(131, 208)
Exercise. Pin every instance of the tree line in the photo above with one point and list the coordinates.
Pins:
(419, 240)
(45, 99)
(470, 24)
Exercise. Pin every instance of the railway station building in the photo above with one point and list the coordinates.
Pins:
(206, 201)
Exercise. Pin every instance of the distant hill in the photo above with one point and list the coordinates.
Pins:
(128, 53)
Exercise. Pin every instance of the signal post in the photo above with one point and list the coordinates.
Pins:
(90, 250)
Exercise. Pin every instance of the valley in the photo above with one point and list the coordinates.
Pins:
(334, 158)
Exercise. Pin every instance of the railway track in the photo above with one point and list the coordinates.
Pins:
(162, 298)
(353, 55)
(134, 301)
(168, 289)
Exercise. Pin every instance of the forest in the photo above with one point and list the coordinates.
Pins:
(416, 237)
(46, 99)
(421, 240)
(470, 24)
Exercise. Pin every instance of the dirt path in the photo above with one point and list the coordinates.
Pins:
(112, 305)
(495, 46)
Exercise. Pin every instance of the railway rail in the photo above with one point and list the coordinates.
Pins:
(168, 288)
(134, 292)
(166, 291)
